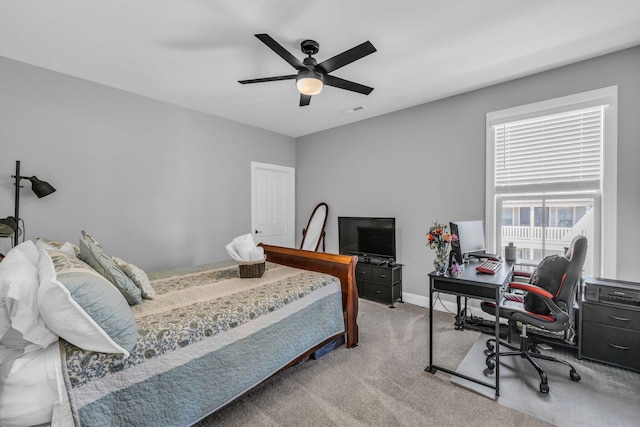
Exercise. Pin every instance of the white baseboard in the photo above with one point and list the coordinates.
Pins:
(423, 301)
(443, 302)
(415, 299)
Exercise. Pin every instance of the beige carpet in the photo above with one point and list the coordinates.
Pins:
(381, 382)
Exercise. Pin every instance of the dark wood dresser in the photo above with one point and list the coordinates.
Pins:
(610, 322)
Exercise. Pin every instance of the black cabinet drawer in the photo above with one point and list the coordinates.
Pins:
(377, 292)
(381, 276)
(363, 272)
(612, 316)
(382, 283)
(608, 344)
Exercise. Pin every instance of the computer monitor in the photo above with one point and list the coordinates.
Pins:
(470, 240)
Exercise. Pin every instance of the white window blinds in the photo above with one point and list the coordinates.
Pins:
(550, 153)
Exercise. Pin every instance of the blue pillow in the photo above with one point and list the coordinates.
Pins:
(82, 307)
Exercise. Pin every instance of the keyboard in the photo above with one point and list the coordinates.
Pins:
(489, 266)
(481, 255)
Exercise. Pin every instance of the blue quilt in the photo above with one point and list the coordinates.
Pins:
(205, 339)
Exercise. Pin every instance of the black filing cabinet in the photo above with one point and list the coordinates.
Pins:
(382, 283)
(610, 322)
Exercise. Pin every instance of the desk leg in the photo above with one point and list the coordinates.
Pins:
(459, 316)
(430, 367)
(497, 333)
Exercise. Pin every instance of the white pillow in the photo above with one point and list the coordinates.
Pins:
(83, 307)
(30, 388)
(29, 249)
(66, 247)
(22, 329)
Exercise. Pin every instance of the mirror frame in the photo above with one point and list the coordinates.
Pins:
(322, 232)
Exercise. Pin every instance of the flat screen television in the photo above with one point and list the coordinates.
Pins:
(370, 238)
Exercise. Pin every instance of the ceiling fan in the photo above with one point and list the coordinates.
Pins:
(311, 76)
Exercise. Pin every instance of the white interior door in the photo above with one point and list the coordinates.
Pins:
(273, 204)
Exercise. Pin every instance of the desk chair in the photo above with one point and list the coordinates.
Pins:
(549, 310)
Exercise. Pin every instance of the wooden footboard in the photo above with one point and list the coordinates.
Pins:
(341, 266)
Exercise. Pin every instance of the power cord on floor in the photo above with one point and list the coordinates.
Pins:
(442, 304)
(472, 322)
(463, 312)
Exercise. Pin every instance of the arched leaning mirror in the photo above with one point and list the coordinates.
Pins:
(313, 234)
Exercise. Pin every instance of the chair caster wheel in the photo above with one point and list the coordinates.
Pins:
(490, 346)
(490, 365)
(575, 376)
(544, 388)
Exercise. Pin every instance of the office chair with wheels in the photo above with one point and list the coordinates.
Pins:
(546, 302)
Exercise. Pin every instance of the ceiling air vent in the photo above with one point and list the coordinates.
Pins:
(354, 109)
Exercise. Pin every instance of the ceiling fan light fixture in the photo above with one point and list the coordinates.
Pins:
(310, 75)
(309, 82)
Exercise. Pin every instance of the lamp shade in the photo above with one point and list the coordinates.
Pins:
(309, 82)
(8, 226)
(41, 188)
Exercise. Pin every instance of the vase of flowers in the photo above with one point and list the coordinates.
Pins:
(438, 238)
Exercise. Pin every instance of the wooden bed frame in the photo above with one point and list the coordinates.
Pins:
(341, 266)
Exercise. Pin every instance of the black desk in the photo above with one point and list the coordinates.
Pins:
(470, 284)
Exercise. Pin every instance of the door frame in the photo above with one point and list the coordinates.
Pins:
(291, 194)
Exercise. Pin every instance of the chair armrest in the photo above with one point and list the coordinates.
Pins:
(521, 276)
(520, 273)
(556, 312)
(527, 287)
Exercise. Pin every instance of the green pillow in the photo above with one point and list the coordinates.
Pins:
(137, 276)
(93, 254)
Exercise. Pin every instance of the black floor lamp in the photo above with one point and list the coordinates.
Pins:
(40, 188)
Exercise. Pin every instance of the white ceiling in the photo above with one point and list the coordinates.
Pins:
(192, 52)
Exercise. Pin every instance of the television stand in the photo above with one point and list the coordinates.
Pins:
(379, 282)
(374, 261)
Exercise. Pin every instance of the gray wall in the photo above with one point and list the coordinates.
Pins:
(156, 184)
(428, 162)
(165, 186)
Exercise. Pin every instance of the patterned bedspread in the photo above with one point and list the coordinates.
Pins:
(206, 338)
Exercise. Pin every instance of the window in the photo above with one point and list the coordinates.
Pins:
(551, 172)
(525, 215)
(507, 216)
(565, 217)
(541, 215)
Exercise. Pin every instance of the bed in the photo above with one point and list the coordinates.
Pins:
(205, 338)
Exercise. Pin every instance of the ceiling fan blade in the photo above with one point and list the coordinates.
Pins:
(305, 100)
(347, 85)
(268, 79)
(347, 57)
(281, 51)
